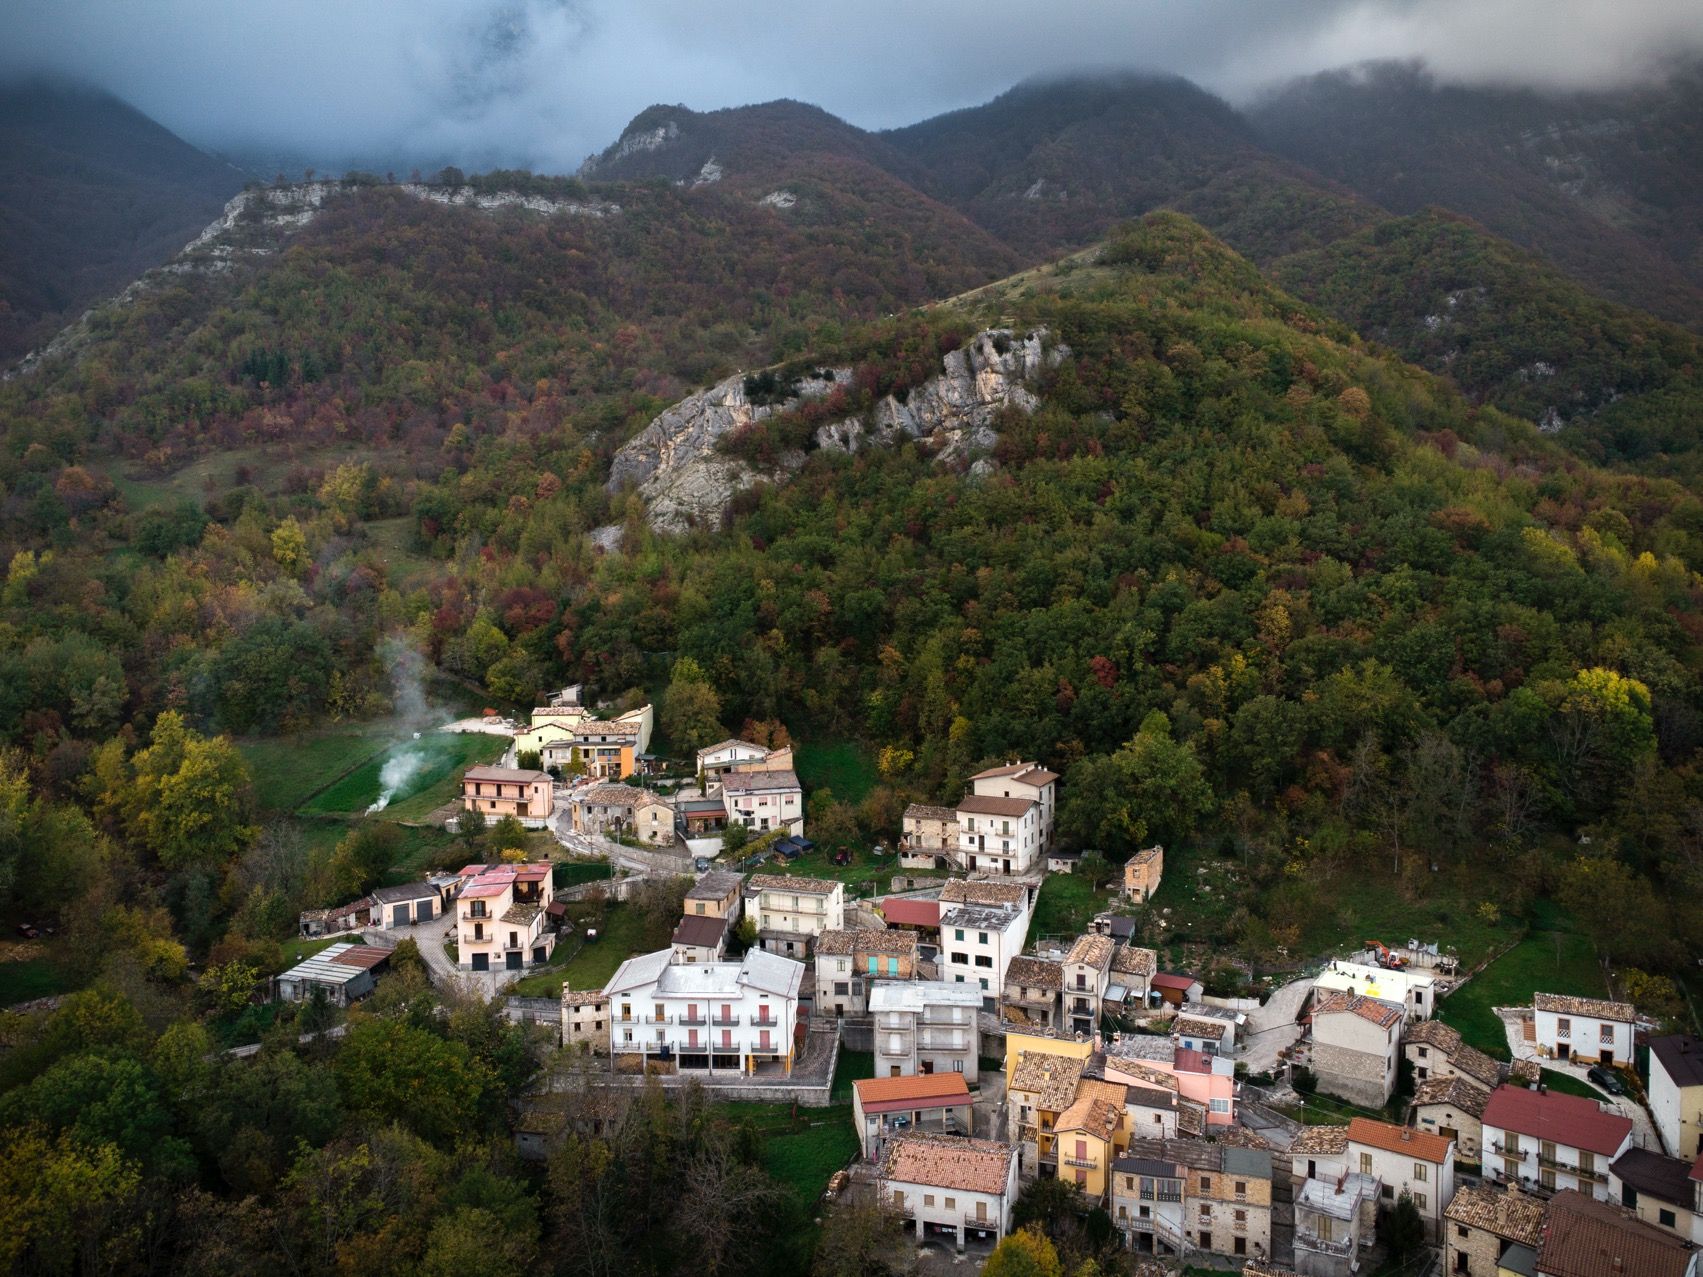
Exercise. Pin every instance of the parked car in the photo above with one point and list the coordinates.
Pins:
(701, 864)
(792, 851)
(803, 843)
(842, 857)
(1607, 1079)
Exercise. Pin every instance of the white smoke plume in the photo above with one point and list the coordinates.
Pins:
(414, 714)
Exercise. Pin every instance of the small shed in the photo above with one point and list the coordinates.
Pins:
(345, 971)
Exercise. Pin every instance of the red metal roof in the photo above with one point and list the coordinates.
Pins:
(363, 955)
(486, 887)
(911, 913)
(916, 1091)
(1572, 1120)
(1188, 1060)
(1165, 980)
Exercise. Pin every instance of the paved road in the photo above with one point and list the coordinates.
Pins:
(444, 973)
(1272, 1027)
(633, 859)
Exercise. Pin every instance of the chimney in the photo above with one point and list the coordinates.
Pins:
(1406, 1134)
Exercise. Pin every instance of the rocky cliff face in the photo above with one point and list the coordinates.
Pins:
(675, 466)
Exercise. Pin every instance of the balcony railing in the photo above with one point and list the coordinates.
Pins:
(1569, 1168)
(693, 1021)
(1087, 1163)
(761, 1022)
(980, 1221)
(1318, 1245)
(902, 1050)
(725, 1021)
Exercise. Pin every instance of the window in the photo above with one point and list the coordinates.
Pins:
(958, 933)
(1460, 1230)
(1205, 1186)
(928, 1199)
(1666, 1217)
(1389, 1192)
(1241, 1217)
(951, 1203)
(1365, 1163)
(1220, 1106)
(1563, 1027)
(1241, 1191)
(1587, 1160)
(957, 1066)
(1424, 1053)
(1419, 1201)
(981, 937)
(1606, 1034)
(1419, 1170)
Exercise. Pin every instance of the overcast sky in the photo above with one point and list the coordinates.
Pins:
(541, 83)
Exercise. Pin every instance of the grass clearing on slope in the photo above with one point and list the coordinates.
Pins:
(1065, 906)
(288, 770)
(436, 780)
(1560, 961)
(592, 964)
(843, 766)
(802, 1152)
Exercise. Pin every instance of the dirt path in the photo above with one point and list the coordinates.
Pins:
(1272, 1027)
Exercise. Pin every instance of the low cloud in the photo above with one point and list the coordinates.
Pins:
(542, 83)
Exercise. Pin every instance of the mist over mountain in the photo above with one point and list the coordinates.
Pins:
(92, 193)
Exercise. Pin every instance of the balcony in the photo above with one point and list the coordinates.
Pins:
(690, 1020)
(761, 1022)
(1319, 1246)
(900, 1052)
(727, 1021)
(1569, 1168)
(1086, 1163)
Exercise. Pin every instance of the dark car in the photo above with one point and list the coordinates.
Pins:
(1607, 1079)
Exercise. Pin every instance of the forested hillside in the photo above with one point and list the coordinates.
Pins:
(1602, 184)
(92, 193)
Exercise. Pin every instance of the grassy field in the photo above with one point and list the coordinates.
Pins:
(392, 542)
(436, 780)
(288, 770)
(591, 965)
(1555, 961)
(1065, 906)
(1567, 1084)
(23, 979)
(295, 951)
(569, 873)
(852, 1066)
(801, 1152)
(843, 766)
(1371, 906)
(866, 870)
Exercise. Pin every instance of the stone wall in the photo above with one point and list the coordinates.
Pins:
(1354, 1076)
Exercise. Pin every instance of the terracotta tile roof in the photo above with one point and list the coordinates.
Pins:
(1149, 1073)
(1191, 1116)
(1051, 1079)
(1421, 1145)
(983, 805)
(717, 884)
(1433, 1033)
(1145, 856)
(1583, 1237)
(521, 913)
(1525, 1072)
(1091, 1115)
(789, 882)
(857, 940)
(1242, 1137)
(927, 1090)
(611, 795)
(1476, 1065)
(945, 1161)
(965, 892)
(1321, 1141)
(1596, 1008)
(1190, 1027)
(923, 811)
(1034, 973)
(1508, 1213)
(1112, 1093)
(1457, 1092)
(1092, 949)
(1572, 1120)
(584, 997)
(1383, 1014)
(758, 782)
(1132, 960)
(1027, 773)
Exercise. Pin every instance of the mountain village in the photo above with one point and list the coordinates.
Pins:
(1315, 1131)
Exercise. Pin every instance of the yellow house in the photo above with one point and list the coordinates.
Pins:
(541, 735)
(1085, 1137)
(1016, 1043)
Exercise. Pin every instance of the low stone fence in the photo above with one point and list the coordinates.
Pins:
(534, 1010)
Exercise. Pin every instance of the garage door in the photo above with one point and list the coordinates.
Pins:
(481, 962)
(400, 917)
(423, 911)
(514, 959)
(538, 954)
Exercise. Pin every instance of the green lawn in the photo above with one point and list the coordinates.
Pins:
(865, 870)
(436, 780)
(1560, 961)
(801, 1152)
(852, 1066)
(592, 965)
(294, 951)
(1369, 905)
(1065, 906)
(569, 873)
(1567, 1084)
(843, 766)
(31, 978)
(288, 770)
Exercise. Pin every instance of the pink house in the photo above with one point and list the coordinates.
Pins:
(1209, 1081)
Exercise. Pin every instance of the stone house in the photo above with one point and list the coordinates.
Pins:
(1033, 987)
(928, 837)
(1483, 1225)
(849, 960)
(1133, 969)
(1227, 1194)
(1142, 873)
(585, 1019)
(718, 894)
(1436, 1051)
(1355, 1044)
(1452, 1107)
(1319, 1152)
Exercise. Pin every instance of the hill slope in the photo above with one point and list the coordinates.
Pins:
(1604, 185)
(92, 193)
